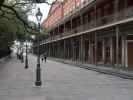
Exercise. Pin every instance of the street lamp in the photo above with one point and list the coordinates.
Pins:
(38, 70)
(33, 38)
(26, 58)
(21, 53)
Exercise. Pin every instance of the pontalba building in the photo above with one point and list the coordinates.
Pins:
(91, 31)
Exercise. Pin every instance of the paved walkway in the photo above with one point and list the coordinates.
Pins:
(116, 71)
(60, 82)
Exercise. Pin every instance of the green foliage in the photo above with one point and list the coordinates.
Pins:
(13, 20)
(14, 24)
(6, 33)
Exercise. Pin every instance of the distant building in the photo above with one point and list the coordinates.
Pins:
(91, 31)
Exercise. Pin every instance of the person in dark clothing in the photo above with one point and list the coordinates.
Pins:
(44, 57)
(10, 52)
(21, 57)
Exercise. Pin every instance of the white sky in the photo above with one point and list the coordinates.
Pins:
(44, 9)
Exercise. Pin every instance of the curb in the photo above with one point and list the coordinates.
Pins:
(114, 72)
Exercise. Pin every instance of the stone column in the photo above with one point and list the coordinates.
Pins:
(58, 48)
(79, 48)
(117, 46)
(95, 19)
(96, 48)
(82, 49)
(65, 50)
(72, 49)
(111, 50)
(55, 49)
(103, 54)
(89, 58)
(68, 48)
(123, 50)
(126, 53)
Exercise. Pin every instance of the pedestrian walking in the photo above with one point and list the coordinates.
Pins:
(44, 56)
(21, 57)
(9, 53)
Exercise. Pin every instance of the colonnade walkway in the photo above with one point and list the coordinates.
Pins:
(59, 82)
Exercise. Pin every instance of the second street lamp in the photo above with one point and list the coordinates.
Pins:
(38, 70)
(26, 58)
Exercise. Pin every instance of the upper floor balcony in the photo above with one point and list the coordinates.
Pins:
(103, 21)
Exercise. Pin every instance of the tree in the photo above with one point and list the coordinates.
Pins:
(13, 18)
(14, 23)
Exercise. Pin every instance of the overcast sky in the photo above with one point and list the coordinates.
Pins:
(44, 9)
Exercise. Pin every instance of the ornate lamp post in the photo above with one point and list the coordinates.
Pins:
(38, 70)
(21, 53)
(26, 58)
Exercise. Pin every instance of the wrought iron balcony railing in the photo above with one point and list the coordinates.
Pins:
(121, 15)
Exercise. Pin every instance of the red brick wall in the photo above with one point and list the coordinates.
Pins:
(78, 2)
(60, 11)
(45, 23)
(55, 16)
(68, 6)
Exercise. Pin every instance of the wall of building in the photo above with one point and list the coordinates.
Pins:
(108, 45)
(60, 11)
(54, 16)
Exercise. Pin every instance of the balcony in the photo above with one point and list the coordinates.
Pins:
(89, 25)
(123, 14)
(105, 20)
(73, 11)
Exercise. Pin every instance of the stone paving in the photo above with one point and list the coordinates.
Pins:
(60, 82)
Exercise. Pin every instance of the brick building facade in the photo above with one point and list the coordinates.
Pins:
(92, 31)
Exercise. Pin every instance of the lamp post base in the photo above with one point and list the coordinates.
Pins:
(38, 83)
(26, 63)
(26, 66)
(38, 76)
(22, 61)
